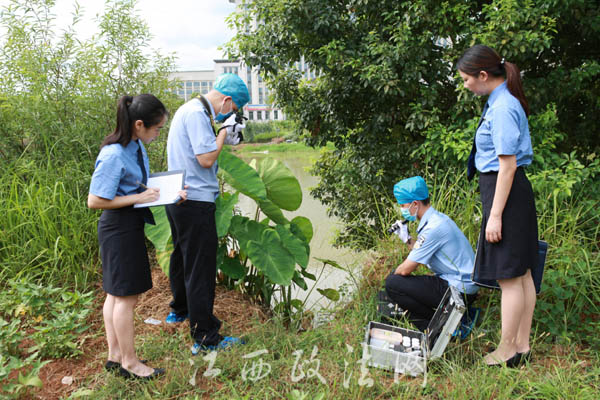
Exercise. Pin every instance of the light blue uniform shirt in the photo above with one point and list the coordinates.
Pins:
(445, 250)
(191, 134)
(117, 171)
(503, 131)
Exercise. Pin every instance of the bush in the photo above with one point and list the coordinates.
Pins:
(265, 131)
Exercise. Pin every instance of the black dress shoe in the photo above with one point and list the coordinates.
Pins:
(112, 366)
(130, 375)
(512, 362)
(525, 357)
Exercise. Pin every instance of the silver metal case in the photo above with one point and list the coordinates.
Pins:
(433, 341)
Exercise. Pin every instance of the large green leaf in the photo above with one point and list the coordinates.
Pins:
(303, 225)
(232, 267)
(282, 186)
(272, 211)
(244, 229)
(159, 234)
(241, 176)
(299, 280)
(330, 262)
(272, 258)
(224, 203)
(293, 244)
(163, 257)
(331, 294)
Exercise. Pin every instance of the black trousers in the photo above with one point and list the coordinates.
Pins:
(193, 267)
(419, 295)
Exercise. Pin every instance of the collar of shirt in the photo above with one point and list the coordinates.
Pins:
(132, 147)
(212, 110)
(496, 92)
(425, 219)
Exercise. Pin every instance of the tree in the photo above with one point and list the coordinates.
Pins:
(387, 80)
(58, 99)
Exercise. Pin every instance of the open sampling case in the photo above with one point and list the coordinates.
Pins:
(382, 349)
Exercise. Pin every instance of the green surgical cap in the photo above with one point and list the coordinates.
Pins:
(411, 189)
(232, 85)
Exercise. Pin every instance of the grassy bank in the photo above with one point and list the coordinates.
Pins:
(325, 362)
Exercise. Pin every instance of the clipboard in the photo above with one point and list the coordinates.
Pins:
(169, 183)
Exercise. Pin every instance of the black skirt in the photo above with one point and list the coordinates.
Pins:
(518, 250)
(125, 265)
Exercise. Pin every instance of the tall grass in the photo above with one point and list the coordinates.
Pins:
(48, 234)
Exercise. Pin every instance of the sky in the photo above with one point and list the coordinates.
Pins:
(192, 29)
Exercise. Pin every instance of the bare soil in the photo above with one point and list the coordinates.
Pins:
(232, 307)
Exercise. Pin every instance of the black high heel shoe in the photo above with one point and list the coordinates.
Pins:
(113, 366)
(130, 375)
(512, 362)
(525, 357)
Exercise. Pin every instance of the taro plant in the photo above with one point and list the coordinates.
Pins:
(263, 256)
(270, 255)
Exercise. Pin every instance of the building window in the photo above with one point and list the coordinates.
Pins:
(260, 95)
(275, 114)
(204, 84)
(188, 84)
(267, 115)
(259, 115)
(235, 70)
(196, 85)
(250, 115)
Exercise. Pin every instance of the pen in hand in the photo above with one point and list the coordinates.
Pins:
(142, 185)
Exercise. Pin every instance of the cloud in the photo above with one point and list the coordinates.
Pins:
(193, 29)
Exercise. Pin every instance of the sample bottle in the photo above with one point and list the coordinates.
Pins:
(416, 344)
(406, 343)
(391, 337)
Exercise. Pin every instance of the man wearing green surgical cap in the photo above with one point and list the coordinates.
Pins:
(193, 145)
(440, 245)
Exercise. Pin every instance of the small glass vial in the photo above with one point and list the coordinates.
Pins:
(416, 345)
(406, 343)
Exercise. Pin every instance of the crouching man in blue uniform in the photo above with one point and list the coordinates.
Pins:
(440, 245)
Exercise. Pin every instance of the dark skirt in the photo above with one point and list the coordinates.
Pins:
(125, 265)
(518, 250)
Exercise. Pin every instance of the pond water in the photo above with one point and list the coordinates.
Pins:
(324, 228)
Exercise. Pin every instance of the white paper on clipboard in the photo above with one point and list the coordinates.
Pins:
(169, 183)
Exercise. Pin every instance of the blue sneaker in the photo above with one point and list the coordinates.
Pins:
(467, 323)
(173, 318)
(226, 343)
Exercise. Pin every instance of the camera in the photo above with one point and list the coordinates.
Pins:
(395, 226)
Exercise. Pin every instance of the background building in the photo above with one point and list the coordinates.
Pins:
(257, 109)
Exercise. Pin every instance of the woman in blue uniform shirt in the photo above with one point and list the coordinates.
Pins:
(115, 187)
(508, 241)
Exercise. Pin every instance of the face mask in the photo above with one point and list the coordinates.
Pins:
(222, 117)
(407, 215)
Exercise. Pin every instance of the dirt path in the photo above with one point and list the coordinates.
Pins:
(230, 306)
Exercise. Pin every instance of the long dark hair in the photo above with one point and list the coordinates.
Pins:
(144, 107)
(483, 58)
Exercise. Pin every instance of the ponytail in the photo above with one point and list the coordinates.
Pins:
(514, 85)
(483, 58)
(144, 107)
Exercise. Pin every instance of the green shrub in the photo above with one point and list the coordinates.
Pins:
(265, 131)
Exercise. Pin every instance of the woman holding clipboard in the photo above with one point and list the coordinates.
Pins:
(118, 182)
